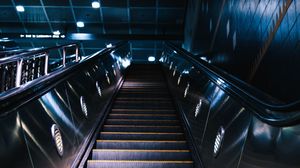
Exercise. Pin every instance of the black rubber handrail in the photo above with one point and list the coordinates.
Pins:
(16, 97)
(272, 113)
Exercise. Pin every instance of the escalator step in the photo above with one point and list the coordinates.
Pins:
(143, 99)
(141, 136)
(143, 106)
(138, 164)
(144, 95)
(142, 122)
(141, 144)
(139, 154)
(144, 111)
(143, 116)
(141, 128)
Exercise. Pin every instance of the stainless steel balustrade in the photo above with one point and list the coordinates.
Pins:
(24, 67)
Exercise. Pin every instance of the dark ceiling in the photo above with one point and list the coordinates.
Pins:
(128, 19)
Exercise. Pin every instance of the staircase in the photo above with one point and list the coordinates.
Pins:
(142, 129)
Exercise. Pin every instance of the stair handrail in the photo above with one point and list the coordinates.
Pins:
(42, 82)
(278, 113)
(43, 53)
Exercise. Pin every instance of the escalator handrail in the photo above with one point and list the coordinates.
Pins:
(38, 86)
(33, 53)
(272, 113)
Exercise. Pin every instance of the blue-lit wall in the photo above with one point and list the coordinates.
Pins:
(256, 40)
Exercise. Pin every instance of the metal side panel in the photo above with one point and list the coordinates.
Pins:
(207, 109)
(38, 118)
(54, 126)
(271, 147)
(13, 149)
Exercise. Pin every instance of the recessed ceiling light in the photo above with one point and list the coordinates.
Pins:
(151, 58)
(80, 24)
(20, 8)
(57, 32)
(95, 4)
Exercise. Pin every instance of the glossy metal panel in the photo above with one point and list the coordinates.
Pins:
(219, 110)
(251, 139)
(268, 146)
(60, 105)
(13, 149)
(38, 117)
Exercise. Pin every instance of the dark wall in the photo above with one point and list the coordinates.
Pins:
(256, 40)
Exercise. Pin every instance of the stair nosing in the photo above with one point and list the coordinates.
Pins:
(141, 126)
(145, 161)
(149, 133)
(137, 141)
(157, 115)
(143, 150)
(111, 119)
(118, 109)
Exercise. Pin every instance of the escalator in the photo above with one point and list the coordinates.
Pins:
(97, 111)
(142, 128)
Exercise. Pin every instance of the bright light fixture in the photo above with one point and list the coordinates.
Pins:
(95, 4)
(80, 24)
(57, 32)
(151, 58)
(125, 63)
(109, 45)
(20, 8)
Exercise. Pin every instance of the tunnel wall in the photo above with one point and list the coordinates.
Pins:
(255, 40)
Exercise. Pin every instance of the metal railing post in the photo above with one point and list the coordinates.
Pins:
(46, 63)
(77, 53)
(64, 56)
(19, 73)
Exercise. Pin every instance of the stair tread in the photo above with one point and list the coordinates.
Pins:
(119, 109)
(142, 128)
(147, 126)
(111, 119)
(141, 150)
(145, 161)
(155, 133)
(144, 141)
(122, 114)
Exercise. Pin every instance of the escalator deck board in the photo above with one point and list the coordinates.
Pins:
(142, 129)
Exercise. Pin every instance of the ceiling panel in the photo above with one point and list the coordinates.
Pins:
(64, 27)
(171, 15)
(121, 28)
(34, 15)
(113, 15)
(171, 3)
(92, 27)
(12, 27)
(142, 3)
(87, 14)
(5, 2)
(37, 27)
(114, 3)
(57, 2)
(60, 14)
(148, 29)
(8, 14)
(28, 3)
(143, 15)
